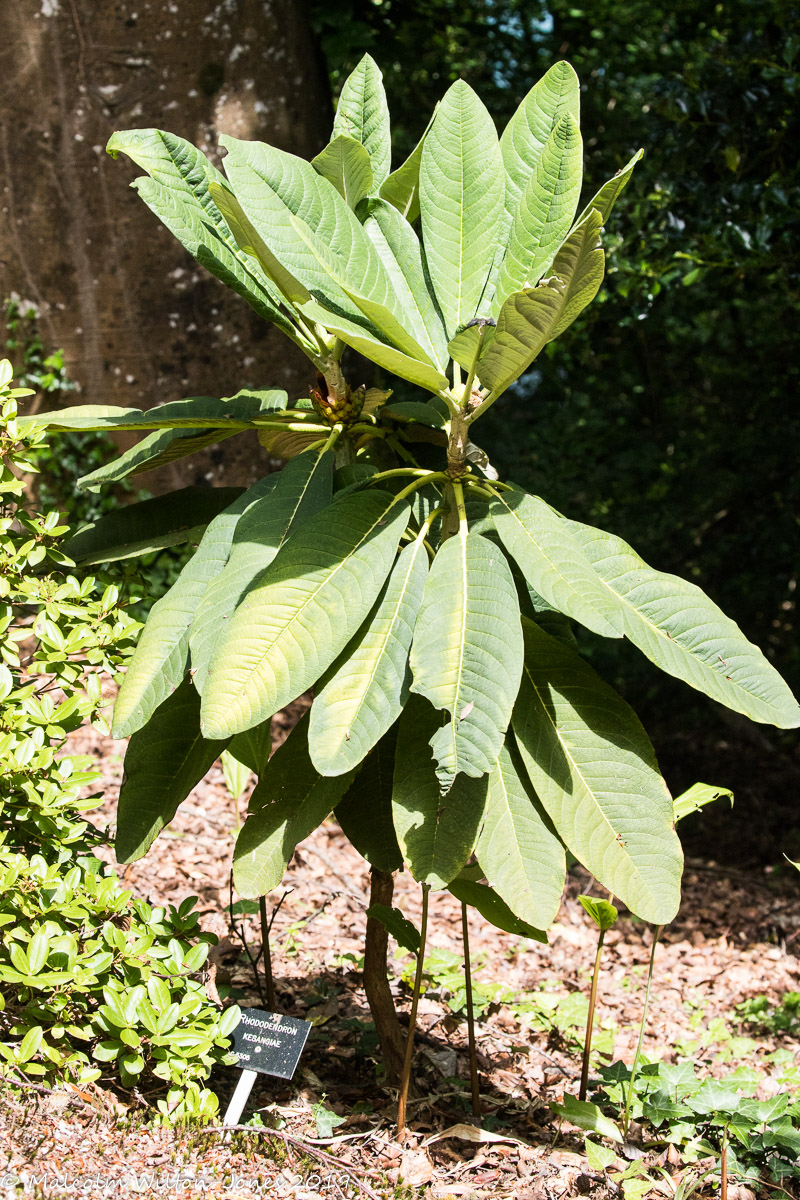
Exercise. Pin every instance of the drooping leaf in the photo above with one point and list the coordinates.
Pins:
(302, 489)
(149, 525)
(365, 810)
(552, 563)
(178, 193)
(530, 319)
(493, 908)
(461, 203)
(306, 607)
(402, 930)
(587, 1116)
(527, 133)
(401, 188)
(365, 695)
(595, 773)
(603, 912)
(519, 853)
(370, 344)
(251, 242)
(164, 762)
(697, 797)
(287, 443)
(401, 253)
(346, 164)
(161, 658)
(466, 656)
(436, 833)
(682, 631)
(546, 208)
(471, 342)
(288, 804)
(191, 413)
(156, 450)
(363, 114)
(604, 201)
(253, 747)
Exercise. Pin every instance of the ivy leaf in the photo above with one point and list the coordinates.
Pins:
(595, 773)
(367, 692)
(363, 114)
(684, 633)
(288, 804)
(461, 201)
(164, 762)
(436, 833)
(301, 614)
(466, 656)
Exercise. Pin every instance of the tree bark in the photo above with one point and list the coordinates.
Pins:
(376, 980)
(138, 319)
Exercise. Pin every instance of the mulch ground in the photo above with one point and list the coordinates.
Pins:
(737, 936)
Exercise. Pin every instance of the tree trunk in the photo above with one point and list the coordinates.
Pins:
(376, 980)
(138, 319)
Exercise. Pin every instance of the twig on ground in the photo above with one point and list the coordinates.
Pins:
(360, 898)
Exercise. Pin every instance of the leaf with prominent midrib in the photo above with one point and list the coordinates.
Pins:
(363, 114)
(493, 908)
(365, 810)
(553, 562)
(529, 320)
(606, 197)
(593, 769)
(682, 631)
(302, 489)
(401, 188)
(163, 763)
(436, 833)
(301, 614)
(461, 193)
(466, 656)
(518, 851)
(178, 192)
(160, 447)
(149, 525)
(191, 413)
(345, 163)
(366, 694)
(161, 657)
(546, 209)
(288, 804)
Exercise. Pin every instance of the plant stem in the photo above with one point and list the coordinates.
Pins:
(473, 1052)
(629, 1096)
(723, 1166)
(333, 437)
(487, 402)
(265, 928)
(376, 979)
(587, 1045)
(402, 1099)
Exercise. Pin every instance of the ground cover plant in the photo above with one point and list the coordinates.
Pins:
(95, 983)
(429, 605)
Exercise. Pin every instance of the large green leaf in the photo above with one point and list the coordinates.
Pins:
(529, 320)
(595, 773)
(518, 851)
(272, 187)
(436, 833)
(527, 133)
(401, 253)
(365, 810)
(493, 908)
(178, 193)
(682, 631)
(149, 525)
(288, 804)
(362, 113)
(164, 761)
(346, 164)
(553, 562)
(191, 413)
(161, 657)
(251, 242)
(606, 198)
(461, 192)
(160, 447)
(546, 208)
(366, 693)
(302, 489)
(466, 655)
(370, 344)
(401, 188)
(306, 607)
